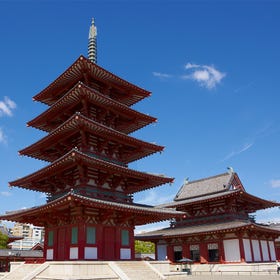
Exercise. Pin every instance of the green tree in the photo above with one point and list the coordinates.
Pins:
(144, 247)
(3, 240)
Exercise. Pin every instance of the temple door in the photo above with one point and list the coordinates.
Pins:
(61, 244)
(109, 234)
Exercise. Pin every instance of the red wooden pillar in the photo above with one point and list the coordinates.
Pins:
(186, 250)
(260, 246)
(241, 247)
(221, 249)
(156, 249)
(268, 248)
(55, 243)
(132, 243)
(118, 245)
(252, 251)
(170, 252)
(203, 252)
(99, 242)
(81, 240)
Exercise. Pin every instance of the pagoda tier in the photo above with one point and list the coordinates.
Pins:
(82, 228)
(91, 210)
(79, 170)
(90, 137)
(95, 77)
(94, 105)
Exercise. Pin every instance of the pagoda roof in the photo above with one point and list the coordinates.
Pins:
(74, 160)
(74, 96)
(39, 215)
(206, 229)
(217, 189)
(127, 93)
(45, 148)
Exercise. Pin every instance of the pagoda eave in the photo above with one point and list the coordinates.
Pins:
(140, 214)
(138, 181)
(81, 91)
(41, 149)
(76, 71)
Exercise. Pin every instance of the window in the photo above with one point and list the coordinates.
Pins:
(50, 239)
(125, 237)
(195, 254)
(213, 252)
(91, 235)
(74, 235)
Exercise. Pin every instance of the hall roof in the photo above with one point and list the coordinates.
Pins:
(216, 189)
(141, 214)
(206, 229)
(82, 69)
(209, 186)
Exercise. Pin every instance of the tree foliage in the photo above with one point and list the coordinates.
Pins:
(3, 240)
(144, 247)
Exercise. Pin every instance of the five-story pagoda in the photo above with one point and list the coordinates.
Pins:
(90, 213)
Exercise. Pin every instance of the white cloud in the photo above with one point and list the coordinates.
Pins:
(162, 75)
(152, 197)
(3, 138)
(275, 183)
(206, 76)
(5, 193)
(244, 148)
(7, 106)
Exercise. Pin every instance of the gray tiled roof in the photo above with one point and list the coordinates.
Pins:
(21, 253)
(206, 186)
(202, 229)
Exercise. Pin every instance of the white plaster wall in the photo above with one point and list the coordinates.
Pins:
(256, 250)
(90, 253)
(74, 253)
(265, 250)
(232, 251)
(125, 254)
(49, 254)
(161, 252)
(247, 250)
(272, 250)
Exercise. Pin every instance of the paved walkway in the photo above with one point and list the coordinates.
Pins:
(234, 277)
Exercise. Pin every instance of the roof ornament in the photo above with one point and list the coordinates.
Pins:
(92, 44)
(230, 170)
(186, 180)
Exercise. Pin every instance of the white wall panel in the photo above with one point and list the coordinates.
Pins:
(161, 252)
(256, 250)
(125, 254)
(232, 251)
(90, 253)
(74, 253)
(247, 250)
(272, 250)
(49, 254)
(264, 250)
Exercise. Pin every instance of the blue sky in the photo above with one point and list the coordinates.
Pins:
(212, 68)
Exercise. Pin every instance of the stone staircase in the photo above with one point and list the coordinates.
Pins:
(21, 271)
(140, 270)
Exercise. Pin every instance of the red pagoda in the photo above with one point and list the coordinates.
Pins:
(218, 225)
(90, 213)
